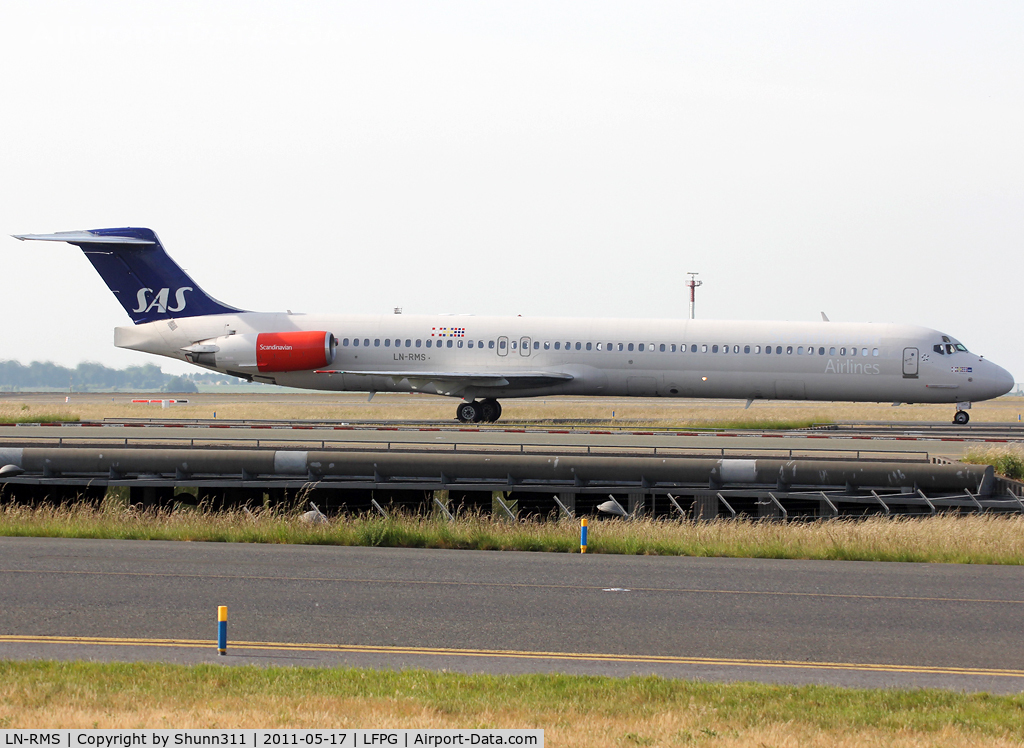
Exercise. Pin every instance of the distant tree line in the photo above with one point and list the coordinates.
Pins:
(89, 376)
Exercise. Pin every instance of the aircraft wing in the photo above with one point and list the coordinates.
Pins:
(462, 379)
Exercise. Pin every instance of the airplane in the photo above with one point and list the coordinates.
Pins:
(482, 359)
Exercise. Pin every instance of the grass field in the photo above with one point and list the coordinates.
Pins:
(977, 539)
(572, 710)
(660, 412)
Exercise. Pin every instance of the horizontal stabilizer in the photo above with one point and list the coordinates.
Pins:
(83, 237)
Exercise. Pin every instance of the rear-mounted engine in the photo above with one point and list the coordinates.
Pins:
(266, 351)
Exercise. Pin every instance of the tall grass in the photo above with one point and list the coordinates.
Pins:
(977, 539)
(42, 416)
(572, 710)
(1007, 461)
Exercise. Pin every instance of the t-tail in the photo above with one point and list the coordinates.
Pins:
(148, 283)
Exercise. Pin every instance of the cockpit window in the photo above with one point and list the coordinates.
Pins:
(950, 349)
(962, 348)
(938, 348)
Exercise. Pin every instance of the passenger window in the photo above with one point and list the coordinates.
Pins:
(515, 345)
(735, 349)
(661, 347)
(355, 342)
(419, 343)
(609, 347)
(387, 342)
(757, 349)
(588, 346)
(832, 351)
(429, 342)
(620, 346)
(800, 351)
(490, 344)
(629, 347)
(376, 343)
(470, 344)
(693, 349)
(345, 342)
(778, 350)
(714, 349)
(853, 351)
(502, 344)
(746, 349)
(577, 346)
(673, 348)
(408, 343)
(459, 342)
(821, 351)
(725, 349)
(789, 349)
(547, 345)
(767, 349)
(874, 351)
(536, 345)
(558, 345)
(450, 343)
(640, 347)
(704, 348)
(842, 351)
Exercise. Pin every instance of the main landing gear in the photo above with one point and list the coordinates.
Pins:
(479, 411)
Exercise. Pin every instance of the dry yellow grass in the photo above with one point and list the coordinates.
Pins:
(978, 539)
(346, 406)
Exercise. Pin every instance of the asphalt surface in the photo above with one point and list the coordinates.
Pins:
(846, 623)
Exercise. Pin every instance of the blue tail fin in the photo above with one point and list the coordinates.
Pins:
(148, 283)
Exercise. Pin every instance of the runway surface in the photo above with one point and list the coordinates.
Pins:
(846, 623)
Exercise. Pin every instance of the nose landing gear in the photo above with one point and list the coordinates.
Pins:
(961, 417)
(479, 411)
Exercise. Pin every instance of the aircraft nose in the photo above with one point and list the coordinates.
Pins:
(998, 379)
(1003, 380)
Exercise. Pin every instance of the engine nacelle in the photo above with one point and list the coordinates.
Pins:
(266, 351)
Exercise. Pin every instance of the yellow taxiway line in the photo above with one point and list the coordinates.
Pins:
(595, 657)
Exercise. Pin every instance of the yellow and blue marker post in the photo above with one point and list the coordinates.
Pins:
(583, 535)
(222, 630)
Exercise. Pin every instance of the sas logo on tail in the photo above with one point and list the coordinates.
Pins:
(159, 300)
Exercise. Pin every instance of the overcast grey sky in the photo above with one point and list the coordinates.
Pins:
(548, 158)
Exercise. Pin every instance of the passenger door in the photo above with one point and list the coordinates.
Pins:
(524, 346)
(910, 359)
(502, 346)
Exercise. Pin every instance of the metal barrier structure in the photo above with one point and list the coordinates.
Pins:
(518, 484)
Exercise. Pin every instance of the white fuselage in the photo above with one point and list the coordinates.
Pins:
(618, 357)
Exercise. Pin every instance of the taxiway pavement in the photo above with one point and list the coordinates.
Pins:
(846, 623)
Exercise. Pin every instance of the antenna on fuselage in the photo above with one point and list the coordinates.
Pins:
(692, 285)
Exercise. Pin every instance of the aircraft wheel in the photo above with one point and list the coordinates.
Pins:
(961, 417)
(489, 410)
(468, 412)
